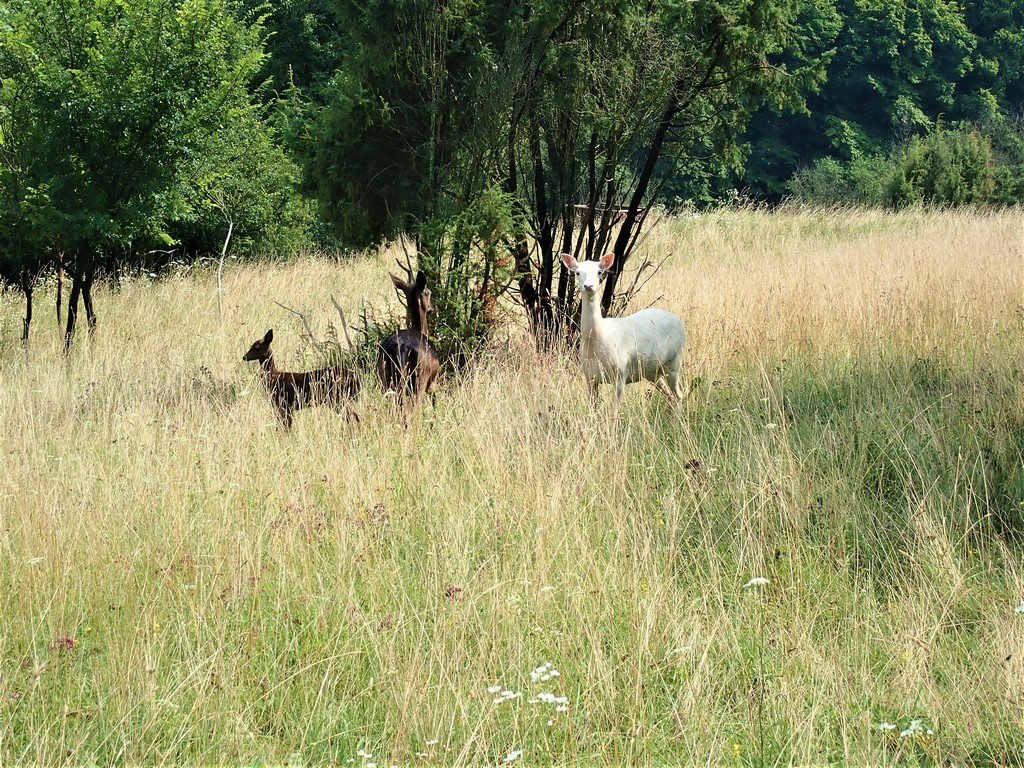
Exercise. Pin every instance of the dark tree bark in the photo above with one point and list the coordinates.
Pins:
(545, 239)
(90, 313)
(60, 285)
(69, 331)
(27, 288)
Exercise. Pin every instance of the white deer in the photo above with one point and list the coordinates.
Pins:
(646, 345)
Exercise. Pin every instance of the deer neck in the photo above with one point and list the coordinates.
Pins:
(268, 369)
(590, 316)
(418, 320)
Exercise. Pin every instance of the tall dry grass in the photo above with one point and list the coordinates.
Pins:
(181, 581)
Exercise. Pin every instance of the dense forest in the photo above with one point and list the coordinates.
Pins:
(135, 134)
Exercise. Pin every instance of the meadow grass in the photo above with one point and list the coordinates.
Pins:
(182, 581)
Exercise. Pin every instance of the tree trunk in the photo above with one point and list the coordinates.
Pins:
(60, 284)
(26, 287)
(545, 239)
(69, 331)
(90, 313)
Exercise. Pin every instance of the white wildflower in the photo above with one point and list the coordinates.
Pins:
(1018, 609)
(431, 742)
(886, 726)
(493, 688)
(914, 728)
(512, 756)
(544, 672)
(34, 560)
(504, 696)
(757, 581)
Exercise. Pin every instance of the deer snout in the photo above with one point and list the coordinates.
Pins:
(589, 288)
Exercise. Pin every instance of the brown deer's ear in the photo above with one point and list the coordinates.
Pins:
(269, 337)
(606, 261)
(399, 282)
(421, 280)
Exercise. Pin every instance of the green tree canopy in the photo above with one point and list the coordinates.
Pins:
(900, 66)
(126, 120)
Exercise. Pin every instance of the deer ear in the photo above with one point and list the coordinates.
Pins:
(421, 280)
(399, 282)
(606, 261)
(569, 261)
(269, 337)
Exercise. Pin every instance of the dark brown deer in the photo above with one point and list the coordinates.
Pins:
(406, 361)
(289, 392)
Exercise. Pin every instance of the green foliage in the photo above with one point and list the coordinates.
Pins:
(244, 177)
(468, 267)
(861, 181)
(899, 68)
(961, 165)
(947, 167)
(130, 93)
(303, 42)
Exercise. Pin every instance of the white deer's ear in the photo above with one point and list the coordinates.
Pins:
(569, 261)
(606, 261)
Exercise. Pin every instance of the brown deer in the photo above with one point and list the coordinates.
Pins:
(289, 392)
(406, 361)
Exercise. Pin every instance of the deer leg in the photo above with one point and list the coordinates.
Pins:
(669, 386)
(676, 381)
(620, 390)
(285, 414)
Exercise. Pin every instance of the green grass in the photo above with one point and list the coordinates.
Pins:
(237, 594)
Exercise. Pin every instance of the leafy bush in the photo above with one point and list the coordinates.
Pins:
(946, 167)
(1006, 135)
(963, 165)
(467, 258)
(828, 181)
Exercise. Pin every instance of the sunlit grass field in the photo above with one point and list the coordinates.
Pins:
(183, 582)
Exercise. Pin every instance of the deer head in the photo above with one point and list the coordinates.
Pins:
(260, 349)
(588, 273)
(418, 301)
